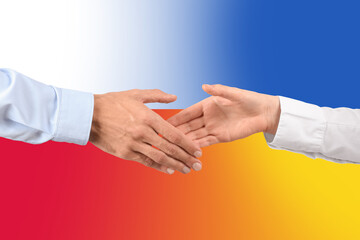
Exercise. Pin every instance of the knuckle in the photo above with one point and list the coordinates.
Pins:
(157, 91)
(176, 138)
(148, 162)
(137, 94)
(127, 152)
(124, 153)
(134, 91)
(161, 159)
(148, 118)
(172, 150)
(138, 132)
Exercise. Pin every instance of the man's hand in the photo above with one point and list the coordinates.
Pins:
(123, 126)
(229, 114)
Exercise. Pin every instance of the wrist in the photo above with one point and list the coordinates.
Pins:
(273, 111)
(95, 123)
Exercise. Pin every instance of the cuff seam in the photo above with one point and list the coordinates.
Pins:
(59, 95)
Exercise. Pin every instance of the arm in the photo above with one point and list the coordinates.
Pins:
(231, 113)
(118, 123)
(318, 132)
(35, 113)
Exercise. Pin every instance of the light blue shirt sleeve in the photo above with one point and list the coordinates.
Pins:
(34, 112)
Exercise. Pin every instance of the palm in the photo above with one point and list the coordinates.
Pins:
(226, 120)
(218, 119)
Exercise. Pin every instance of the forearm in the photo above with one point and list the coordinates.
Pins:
(35, 113)
(331, 134)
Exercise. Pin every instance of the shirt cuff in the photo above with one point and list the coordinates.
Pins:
(301, 127)
(75, 112)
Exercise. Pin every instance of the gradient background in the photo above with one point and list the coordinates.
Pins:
(307, 50)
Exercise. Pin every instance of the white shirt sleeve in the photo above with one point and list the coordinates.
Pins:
(318, 132)
(35, 113)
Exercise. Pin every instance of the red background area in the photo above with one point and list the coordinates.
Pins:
(65, 191)
(245, 191)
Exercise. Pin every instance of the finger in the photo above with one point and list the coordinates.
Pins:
(174, 151)
(230, 93)
(192, 125)
(198, 134)
(156, 95)
(186, 115)
(150, 163)
(175, 136)
(207, 141)
(161, 158)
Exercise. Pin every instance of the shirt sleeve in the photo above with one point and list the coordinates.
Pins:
(33, 112)
(318, 132)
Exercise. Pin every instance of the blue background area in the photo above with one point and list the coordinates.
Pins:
(307, 50)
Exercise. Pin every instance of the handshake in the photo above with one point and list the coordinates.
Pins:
(120, 123)
(123, 126)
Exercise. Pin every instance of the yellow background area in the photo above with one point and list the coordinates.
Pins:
(274, 194)
(244, 191)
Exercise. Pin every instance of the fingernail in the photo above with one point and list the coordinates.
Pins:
(186, 170)
(197, 166)
(170, 171)
(198, 154)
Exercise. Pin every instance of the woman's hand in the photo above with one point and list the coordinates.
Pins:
(229, 114)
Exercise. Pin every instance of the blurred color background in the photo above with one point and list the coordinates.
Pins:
(307, 50)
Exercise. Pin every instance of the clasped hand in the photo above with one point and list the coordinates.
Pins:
(125, 127)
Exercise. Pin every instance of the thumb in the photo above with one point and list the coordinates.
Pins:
(156, 95)
(230, 93)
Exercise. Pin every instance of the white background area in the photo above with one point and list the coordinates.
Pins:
(108, 45)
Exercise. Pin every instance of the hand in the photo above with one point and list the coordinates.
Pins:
(229, 114)
(123, 126)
